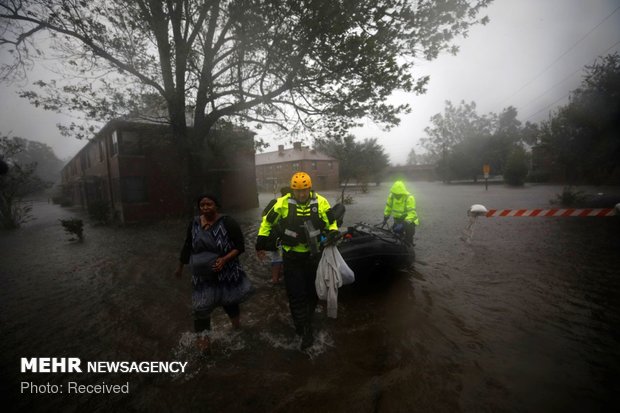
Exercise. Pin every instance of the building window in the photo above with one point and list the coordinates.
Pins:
(100, 150)
(133, 189)
(114, 144)
(314, 165)
(331, 165)
(295, 166)
(131, 143)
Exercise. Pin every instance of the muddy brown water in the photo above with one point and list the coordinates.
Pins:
(521, 317)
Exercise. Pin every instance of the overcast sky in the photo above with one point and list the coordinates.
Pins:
(530, 55)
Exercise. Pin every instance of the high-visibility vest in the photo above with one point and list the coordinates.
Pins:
(291, 215)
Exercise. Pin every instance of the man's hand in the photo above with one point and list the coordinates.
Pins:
(332, 237)
(261, 254)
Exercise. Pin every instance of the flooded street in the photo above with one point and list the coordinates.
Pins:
(524, 316)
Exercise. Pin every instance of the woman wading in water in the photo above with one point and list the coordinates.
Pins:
(212, 246)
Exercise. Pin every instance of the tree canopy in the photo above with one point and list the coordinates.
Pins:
(310, 63)
(363, 162)
(463, 141)
(584, 135)
(20, 180)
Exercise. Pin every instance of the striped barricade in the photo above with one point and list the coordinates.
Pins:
(553, 212)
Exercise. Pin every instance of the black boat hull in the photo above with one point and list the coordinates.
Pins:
(371, 251)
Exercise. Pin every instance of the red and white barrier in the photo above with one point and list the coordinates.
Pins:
(478, 210)
(553, 212)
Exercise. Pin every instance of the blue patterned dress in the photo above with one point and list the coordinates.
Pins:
(229, 286)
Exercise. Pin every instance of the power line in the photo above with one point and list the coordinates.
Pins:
(560, 57)
(570, 75)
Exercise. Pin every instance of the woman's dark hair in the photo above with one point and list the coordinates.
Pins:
(209, 195)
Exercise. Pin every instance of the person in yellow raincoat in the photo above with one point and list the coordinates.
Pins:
(294, 213)
(401, 206)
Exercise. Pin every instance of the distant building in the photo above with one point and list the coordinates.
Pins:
(135, 168)
(274, 169)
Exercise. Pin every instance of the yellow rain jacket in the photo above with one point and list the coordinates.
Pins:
(401, 204)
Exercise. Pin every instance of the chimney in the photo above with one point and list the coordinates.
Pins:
(280, 150)
(297, 146)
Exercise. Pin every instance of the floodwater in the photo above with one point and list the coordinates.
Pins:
(521, 316)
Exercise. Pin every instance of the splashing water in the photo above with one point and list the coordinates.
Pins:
(468, 232)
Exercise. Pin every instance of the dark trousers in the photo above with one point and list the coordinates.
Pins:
(299, 275)
(407, 231)
(201, 324)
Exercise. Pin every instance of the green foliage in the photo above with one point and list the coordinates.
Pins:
(14, 215)
(48, 166)
(462, 140)
(316, 66)
(584, 136)
(569, 197)
(516, 167)
(414, 158)
(73, 226)
(537, 176)
(322, 64)
(18, 182)
(363, 162)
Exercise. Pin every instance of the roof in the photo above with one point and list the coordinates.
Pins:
(291, 155)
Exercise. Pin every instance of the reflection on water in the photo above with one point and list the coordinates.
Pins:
(523, 317)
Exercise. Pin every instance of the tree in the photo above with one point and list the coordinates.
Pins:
(412, 157)
(316, 64)
(372, 161)
(425, 158)
(19, 181)
(584, 135)
(363, 162)
(467, 157)
(516, 167)
(454, 127)
(48, 166)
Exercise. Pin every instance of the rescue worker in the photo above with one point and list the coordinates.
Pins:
(302, 216)
(401, 205)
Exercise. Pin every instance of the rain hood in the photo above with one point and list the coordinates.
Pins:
(399, 188)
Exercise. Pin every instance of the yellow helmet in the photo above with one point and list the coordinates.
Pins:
(301, 180)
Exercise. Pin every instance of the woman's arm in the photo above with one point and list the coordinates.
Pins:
(186, 251)
(221, 261)
(235, 234)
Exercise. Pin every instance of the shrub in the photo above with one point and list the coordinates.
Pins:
(569, 197)
(73, 226)
(14, 214)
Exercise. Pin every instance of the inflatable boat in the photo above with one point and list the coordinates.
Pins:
(370, 249)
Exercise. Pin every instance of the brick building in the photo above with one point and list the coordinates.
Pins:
(135, 169)
(274, 169)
